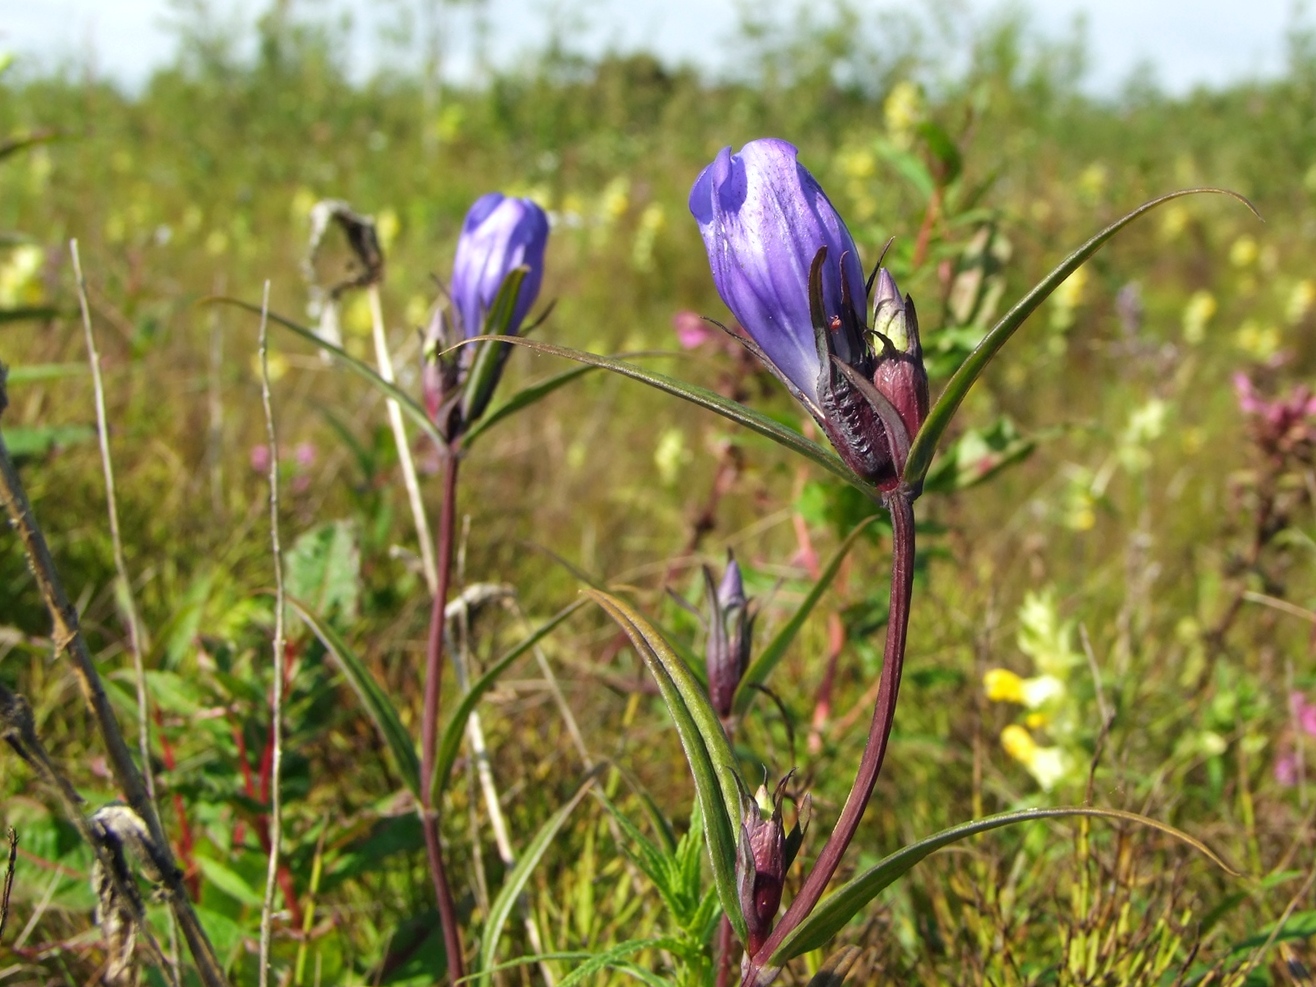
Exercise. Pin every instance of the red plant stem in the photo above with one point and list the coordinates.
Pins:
(726, 940)
(262, 822)
(429, 727)
(191, 876)
(900, 504)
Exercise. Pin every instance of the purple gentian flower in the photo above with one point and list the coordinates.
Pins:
(787, 267)
(499, 234)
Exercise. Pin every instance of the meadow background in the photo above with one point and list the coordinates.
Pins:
(1110, 514)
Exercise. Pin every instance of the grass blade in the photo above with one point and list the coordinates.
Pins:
(515, 883)
(522, 399)
(717, 784)
(373, 698)
(408, 405)
(768, 658)
(705, 398)
(838, 908)
(451, 741)
(939, 418)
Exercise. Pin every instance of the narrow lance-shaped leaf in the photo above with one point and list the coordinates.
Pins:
(487, 362)
(717, 786)
(767, 659)
(710, 400)
(451, 741)
(939, 418)
(521, 400)
(838, 908)
(408, 405)
(516, 879)
(373, 698)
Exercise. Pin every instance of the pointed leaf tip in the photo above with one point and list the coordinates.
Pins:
(939, 418)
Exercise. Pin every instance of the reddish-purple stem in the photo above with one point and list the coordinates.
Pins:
(900, 504)
(429, 728)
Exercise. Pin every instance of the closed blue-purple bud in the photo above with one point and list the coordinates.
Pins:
(763, 218)
(500, 233)
(730, 635)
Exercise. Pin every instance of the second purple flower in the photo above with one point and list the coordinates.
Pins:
(500, 235)
(787, 267)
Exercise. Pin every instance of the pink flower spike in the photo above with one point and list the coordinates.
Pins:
(1247, 395)
(1286, 769)
(691, 330)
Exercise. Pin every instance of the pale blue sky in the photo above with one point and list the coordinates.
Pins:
(1189, 42)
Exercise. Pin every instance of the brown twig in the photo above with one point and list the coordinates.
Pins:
(9, 879)
(18, 730)
(67, 638)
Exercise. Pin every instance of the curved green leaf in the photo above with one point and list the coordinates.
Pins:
(451, 741)
(768, 658)
(705, 398)
(373, 698)
(516, 879)
(486, 364)
(839, 907)
(405, 401)
(939, 418)
(522, 399)
(717, 785)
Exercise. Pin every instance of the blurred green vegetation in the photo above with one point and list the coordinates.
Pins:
(1138, 540)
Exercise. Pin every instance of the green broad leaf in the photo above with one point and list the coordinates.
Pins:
(977, 456)
(943, 148)
(450, 743)
(323, 569)
(516, 880)
(376, 702)
(613, 957)
(909, 165)
(24, 442)
(408, 405)
(717, 784)
(939, 418)
(45, 371)
(761, 667)
(27, 313)
(522, 399)
(1299, 925)
(487, 363)
(710, 400)
(227, 935)
(843, 904)
(230, 882)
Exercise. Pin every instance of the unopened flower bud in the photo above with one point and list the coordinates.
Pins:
(761, 866)
(730, 634)
(899, 374)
